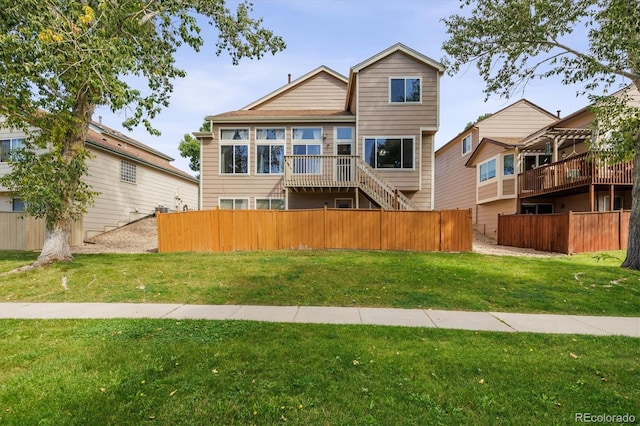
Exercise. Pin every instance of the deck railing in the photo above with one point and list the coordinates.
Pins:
(580, 170)
(350, 171)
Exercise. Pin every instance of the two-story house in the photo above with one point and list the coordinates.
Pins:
(477, 169)
(572, 176)
(132, 180)
(362, 141)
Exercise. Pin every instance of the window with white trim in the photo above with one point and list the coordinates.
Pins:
(404, 90)
(508, 167)
(466, 144)
(487, 170)
(7, 146)
(344, 133)
(234, 203)
(270, 145)
(270, 203)
(234, 151)
(128, 172)
(307, 141)
(389, 153)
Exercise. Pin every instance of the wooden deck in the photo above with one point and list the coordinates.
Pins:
(576, 172)
(335, 172)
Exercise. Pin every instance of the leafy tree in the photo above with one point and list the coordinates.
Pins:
(62, 58)
(189, 147)
(514, 41)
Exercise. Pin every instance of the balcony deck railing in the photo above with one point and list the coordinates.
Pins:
(589, 168)
(343, 171)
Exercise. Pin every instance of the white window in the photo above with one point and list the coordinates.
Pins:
(488, 170)
(307, 141)
(404, 90)
(466, 144)
(344, 133)
(270, 151)
(128, 171)
(508, 165)
(389, 153)
(270, 203)
(7, 146)
(234, 151)
(234, 203)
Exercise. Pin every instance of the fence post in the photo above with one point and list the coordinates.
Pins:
(324, 227)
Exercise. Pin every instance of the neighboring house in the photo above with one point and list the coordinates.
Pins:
(477, 169)
(366, 141)
(132, 180)
(572, 178)
(550, 170)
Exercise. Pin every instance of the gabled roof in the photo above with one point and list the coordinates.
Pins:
(296, 82)
(493, 115)
(104, 138)
(506, 143)
(282, 115)
(398, 47)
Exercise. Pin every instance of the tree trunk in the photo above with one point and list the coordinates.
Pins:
(633, 248)
(56, 245)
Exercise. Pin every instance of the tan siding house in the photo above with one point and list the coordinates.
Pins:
(471, 172)
(132, 181)
(366, 141)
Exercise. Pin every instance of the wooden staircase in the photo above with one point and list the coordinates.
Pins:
(343, 171)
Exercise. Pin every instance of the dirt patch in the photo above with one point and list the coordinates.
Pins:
(485, 245)
(136, 237)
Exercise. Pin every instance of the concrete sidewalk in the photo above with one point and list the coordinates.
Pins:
(488, 321)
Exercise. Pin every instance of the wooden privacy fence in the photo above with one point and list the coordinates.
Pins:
(232, 230)
(18, 232)
(572, 232)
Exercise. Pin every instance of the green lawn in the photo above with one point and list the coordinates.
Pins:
(583, 284)
(170, 372)
(121, 372)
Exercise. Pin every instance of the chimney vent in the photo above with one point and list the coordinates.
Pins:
(558, 113)
(100, 119)
(289, 77)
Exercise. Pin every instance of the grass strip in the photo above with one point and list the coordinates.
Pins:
(76, 372)
(588, 284)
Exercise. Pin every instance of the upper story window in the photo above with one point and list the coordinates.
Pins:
(128, 171)
(508, 165)
(307, 141)
(531, 161)
(270, 151)
(344, 133)
(234, 151)
(7, 146)
(466, 144)
(404, 90)
(488, 170)
(389, 153)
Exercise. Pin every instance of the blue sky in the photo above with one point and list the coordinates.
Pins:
(338, 34)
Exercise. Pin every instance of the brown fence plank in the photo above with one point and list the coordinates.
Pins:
(230, 230)
(572, 232)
